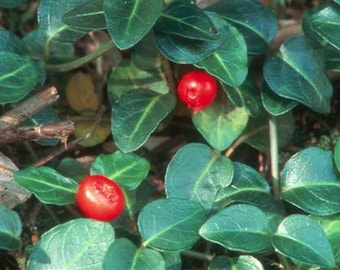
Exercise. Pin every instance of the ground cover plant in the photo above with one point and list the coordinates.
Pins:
(112, 157)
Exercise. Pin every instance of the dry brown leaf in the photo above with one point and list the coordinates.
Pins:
(11, 194)
(81, 94)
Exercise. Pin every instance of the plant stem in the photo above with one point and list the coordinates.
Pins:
(197, 255)
(274, 156)
(83, 60)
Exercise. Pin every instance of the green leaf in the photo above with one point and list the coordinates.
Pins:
(11, 43)
(129, 21)
(246, 95)
(77, 244)
(137, 198)
(47, 185)
(258, 135)
(123, 254)
(273, 103)
(171, 224)
(136, 115)
(337, 155)
(172, 260)
(127, 169)
(257, 23)
(229, 63)
(247, 186)
(321, 25)
(18, 76)
(181, 49)
(297, 72)
(12, 3)
(309, 182)
(128, 76)
(52, 26)
(10, 229)
(88, 16)
(302, 239)
(72, 168)
(187, 20)
(230, 120)
(331, 226)
(239, 227)
(243, 262)
(197, 173)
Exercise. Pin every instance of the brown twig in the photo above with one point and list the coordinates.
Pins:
(27, 108)
(73, 144)
(60, 130)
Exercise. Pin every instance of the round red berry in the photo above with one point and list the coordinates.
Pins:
(197, 89)
(100, 198)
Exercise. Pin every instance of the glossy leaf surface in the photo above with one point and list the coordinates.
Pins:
(10, 229)
(129, 21)
(331, 226)
(171, 224)
(302, 239)
(245, 95)
(47, 185)
(297, 72)
(247, 186)
(88, 16)
(275, 104)
(62, 248)
(18, 76)
(257, 24)
(123, 254)
(243, 262)
(239, 227)
(321, 25)
(137, 115)
(185, 19)
(229, 63)
(50, 19)
(127, 169)
(230, 120)
(198, 174)
(310, 182)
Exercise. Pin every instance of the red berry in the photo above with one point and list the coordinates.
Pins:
(197, 89)
(100, 198)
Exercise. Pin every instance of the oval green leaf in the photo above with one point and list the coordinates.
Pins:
(246, 95)
(302, 239)
(12, 43)
(10, 229)
(230, 120)
(171, 224)
(273, 103)
(229, 63)
(185, 19)
(337, 155)
(47, 185)
(256, 22)
(86, 17)
(297, 72)
(18, 76)
(309, 182)
(197, 173)
(239, 227)
(127, 169)
(77, 244)
(136, 115)
(247, 186)
(321, 25)
(243, 262)
(331, 226)
(129, 21)
(12, 3)
(123, 254)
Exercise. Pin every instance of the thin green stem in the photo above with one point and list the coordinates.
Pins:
(83, 60)
(274, 156)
